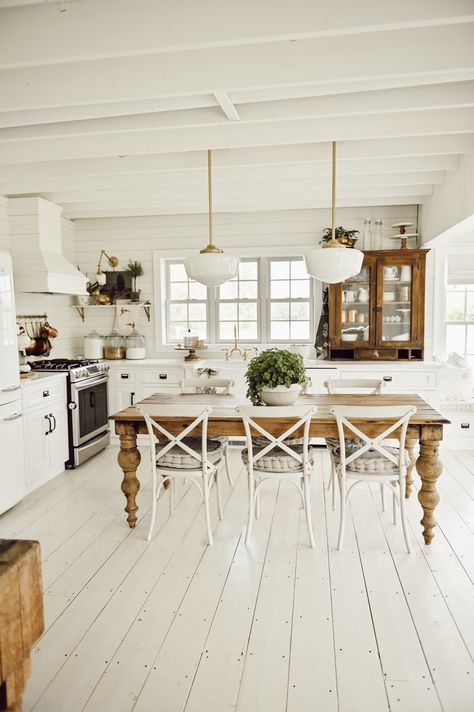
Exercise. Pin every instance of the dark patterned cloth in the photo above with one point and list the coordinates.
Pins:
(321, 342)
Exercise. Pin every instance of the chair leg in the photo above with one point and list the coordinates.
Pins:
(403, 517)
(173, 485)
(218, 493)
(394, 507)
(227, 466)
(257, 500)
(251, 506)
(333, 486)
(307, 510)
(156, 492)
(342, 513)
(205, 490)
(382, 496)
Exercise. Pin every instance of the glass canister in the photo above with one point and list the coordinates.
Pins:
(190, 339)
(135, 345)
(93, 345)
(114, 346)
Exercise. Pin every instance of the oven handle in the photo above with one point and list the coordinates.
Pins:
(87, 384)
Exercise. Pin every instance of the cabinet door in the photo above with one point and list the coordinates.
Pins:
(12, 471)
(351, 309)
(58, 439)
(37, 426)
(124, 397)
(400, 289)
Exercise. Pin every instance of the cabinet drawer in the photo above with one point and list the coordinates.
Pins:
(42, 393)
(398, 380)
(162, 376)
(123, 375)
(460, 426)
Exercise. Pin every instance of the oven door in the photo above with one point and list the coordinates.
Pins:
(89, 409)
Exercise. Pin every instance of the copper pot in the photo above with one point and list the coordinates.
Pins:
(38, 347)
(48, 331)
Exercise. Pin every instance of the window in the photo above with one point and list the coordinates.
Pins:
(237, 304)
(269, 301)
(460, 320)
(186, 304)
(290, 300)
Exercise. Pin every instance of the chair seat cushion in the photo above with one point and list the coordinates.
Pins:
(178, 459)
(371, 462)
(277, 460)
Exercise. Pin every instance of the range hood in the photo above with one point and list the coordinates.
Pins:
(36, 247)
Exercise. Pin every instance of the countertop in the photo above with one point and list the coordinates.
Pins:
(25, 382)
(241, 364)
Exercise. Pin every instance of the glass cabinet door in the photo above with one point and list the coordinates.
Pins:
(396, 314)
(355, 312)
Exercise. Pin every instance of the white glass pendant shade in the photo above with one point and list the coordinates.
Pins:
(333, 262)
(211, 268)
(333, 265)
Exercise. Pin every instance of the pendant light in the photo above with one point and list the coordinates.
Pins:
(333, 262)
(211, 266)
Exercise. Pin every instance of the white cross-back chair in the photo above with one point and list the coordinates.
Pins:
(365, 386)
(183, 456)
(278, 459)
(369, 459)
(212, 386)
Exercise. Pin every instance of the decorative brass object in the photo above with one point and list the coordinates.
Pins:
(243, 353)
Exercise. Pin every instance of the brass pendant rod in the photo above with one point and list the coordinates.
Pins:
(333, 192)
(210, 246)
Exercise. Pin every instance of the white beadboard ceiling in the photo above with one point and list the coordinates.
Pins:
(107, 107)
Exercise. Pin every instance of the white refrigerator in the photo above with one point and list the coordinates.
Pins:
(12, 450)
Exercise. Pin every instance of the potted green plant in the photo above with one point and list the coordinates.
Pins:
(135, 270)
(275, 377)
(345, 237)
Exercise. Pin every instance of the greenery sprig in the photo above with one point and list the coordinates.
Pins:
(273, 367)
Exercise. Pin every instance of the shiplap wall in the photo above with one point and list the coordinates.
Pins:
(138, 238)
(451, 201)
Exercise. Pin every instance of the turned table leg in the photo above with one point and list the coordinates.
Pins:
(129, 459)
(410, 446)
(429, 468)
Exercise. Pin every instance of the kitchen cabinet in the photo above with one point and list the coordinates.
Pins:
(46, 436)
(379, 313)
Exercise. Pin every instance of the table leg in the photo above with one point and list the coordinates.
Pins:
(429, 468)
(129, 459)
(410, 445)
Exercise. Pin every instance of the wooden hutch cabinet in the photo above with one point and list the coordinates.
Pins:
(379, 313)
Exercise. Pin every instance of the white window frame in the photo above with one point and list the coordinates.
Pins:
(258, 300)
(160, 257)
(290, 301)
(464, 323)
(169, 301)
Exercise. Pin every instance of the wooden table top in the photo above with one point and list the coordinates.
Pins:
(224, 406)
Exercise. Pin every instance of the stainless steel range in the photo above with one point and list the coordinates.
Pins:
(87, 412)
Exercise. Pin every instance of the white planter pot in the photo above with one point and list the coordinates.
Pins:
(281, 395)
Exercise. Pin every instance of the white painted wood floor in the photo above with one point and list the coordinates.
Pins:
(174, 625)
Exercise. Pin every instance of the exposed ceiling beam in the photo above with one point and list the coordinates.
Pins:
(90, 29)
(241, 67)
(226, 105)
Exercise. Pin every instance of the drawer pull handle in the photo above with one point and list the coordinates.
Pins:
(13, 416)
(465, 425)
(46, 417)
(163, 376)
(132, 396)
(45, 394)
(9, 389)
(387, 378)
(124, 376)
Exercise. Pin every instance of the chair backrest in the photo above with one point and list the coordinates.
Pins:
(152, 414)
(370, 386)
(396, 417)
(301, 417)
(207, 385)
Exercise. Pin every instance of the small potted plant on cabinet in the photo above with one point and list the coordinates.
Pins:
(275, 377)
(345, 237)
(135, 270)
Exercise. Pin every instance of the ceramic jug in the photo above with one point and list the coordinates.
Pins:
(363, 295)
(390, 272)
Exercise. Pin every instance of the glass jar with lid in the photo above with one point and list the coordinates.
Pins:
(135, 345)
(93, 345)
(114, 345)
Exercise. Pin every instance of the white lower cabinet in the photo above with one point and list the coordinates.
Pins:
(46, 435)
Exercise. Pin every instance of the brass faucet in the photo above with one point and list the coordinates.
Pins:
(243, 353)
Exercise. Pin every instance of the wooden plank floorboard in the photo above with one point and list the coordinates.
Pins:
(175, 626)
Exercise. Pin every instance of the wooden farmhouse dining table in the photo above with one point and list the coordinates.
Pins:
(426, 427)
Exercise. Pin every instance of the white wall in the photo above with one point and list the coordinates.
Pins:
(138, 238)
(451, 201)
